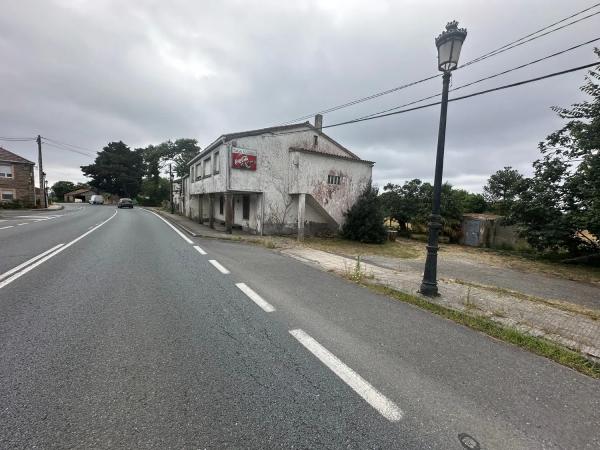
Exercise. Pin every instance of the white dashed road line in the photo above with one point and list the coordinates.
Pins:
(4, 228)
(219, 267)
(22, 272)
(183, 236)
(202, 252)
(372, 396)
(29, 261)
(266, 306)
(24, 223)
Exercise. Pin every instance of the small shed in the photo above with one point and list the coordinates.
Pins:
(478, 229)
(489, 230)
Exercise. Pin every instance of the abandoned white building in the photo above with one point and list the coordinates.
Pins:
(277, 180)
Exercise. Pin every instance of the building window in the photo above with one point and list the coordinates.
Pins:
(198, 171)
(221, 202)
(7, 195)
(216, 163)
(6, 171)
(207, 170)
(334, 179)
(246, 207)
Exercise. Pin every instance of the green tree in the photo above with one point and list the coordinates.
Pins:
(364, 220)
(502, 189)
(472, 203)
(560, 209)
(153, 192)
(402, 203)
(116, 170)
(411, 203)
(180, 152)
(60, 188)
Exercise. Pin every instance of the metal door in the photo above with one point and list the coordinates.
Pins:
(472, 233)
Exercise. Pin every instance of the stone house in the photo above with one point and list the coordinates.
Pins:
(79, 195)
(277, 180)
(17, 182)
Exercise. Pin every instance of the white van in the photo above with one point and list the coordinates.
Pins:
(96, 200)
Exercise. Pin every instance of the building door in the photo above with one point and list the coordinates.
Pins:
(472, 233)
(245, 207)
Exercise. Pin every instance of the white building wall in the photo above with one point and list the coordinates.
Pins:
(309, 175)
(281, 174)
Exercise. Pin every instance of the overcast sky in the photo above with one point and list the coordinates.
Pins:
(90, 72)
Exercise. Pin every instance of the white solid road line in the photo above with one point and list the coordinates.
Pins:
(54, 253)
(202, 252)
(372, 396)
(29, 261)
(4, 228)
(219, 267)
(266, 306)
(183, 236)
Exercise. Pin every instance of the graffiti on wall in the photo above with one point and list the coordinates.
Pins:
(243, 159)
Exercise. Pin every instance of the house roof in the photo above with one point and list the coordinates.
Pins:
(7, 156)
(79, 191)
(331, 155)
(270, 130)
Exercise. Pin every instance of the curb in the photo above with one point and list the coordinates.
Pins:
(49, 209)
(187, 230)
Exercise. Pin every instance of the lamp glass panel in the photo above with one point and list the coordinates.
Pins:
(448, 54)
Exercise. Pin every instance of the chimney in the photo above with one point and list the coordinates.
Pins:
(319, 122)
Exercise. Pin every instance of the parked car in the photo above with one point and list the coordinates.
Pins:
(125, 203)
(96, 200)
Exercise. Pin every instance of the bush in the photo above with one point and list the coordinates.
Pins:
(14, 204)
(364, 220)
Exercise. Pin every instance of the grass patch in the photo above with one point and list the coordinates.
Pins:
(352, 248)
(537, 345)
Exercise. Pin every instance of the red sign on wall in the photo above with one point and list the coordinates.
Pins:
(243, 159)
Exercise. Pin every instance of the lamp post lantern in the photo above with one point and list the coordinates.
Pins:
(448, 44)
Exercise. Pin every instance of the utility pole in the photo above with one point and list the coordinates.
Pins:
(171, 183)
(41, 172)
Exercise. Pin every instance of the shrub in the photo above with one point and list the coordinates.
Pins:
(364, 220)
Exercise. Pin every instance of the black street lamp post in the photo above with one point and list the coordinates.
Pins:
(449, 44)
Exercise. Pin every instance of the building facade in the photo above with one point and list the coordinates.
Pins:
(17, 182)
(79, 195)
(278, 180)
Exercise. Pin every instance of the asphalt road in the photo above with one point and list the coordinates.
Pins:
(129, 336)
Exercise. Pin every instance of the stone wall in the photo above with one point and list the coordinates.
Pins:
(21, 183)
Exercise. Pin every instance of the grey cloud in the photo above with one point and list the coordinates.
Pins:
(89, 72)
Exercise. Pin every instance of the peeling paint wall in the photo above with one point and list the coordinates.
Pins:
(279, 176)
(310, 174)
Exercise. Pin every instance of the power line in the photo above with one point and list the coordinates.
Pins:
(69, 149)
(517, 43)
(504, 72)
(17, 139)
(502, 49)
(486, 91)
(364, 99)
(68, 145)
